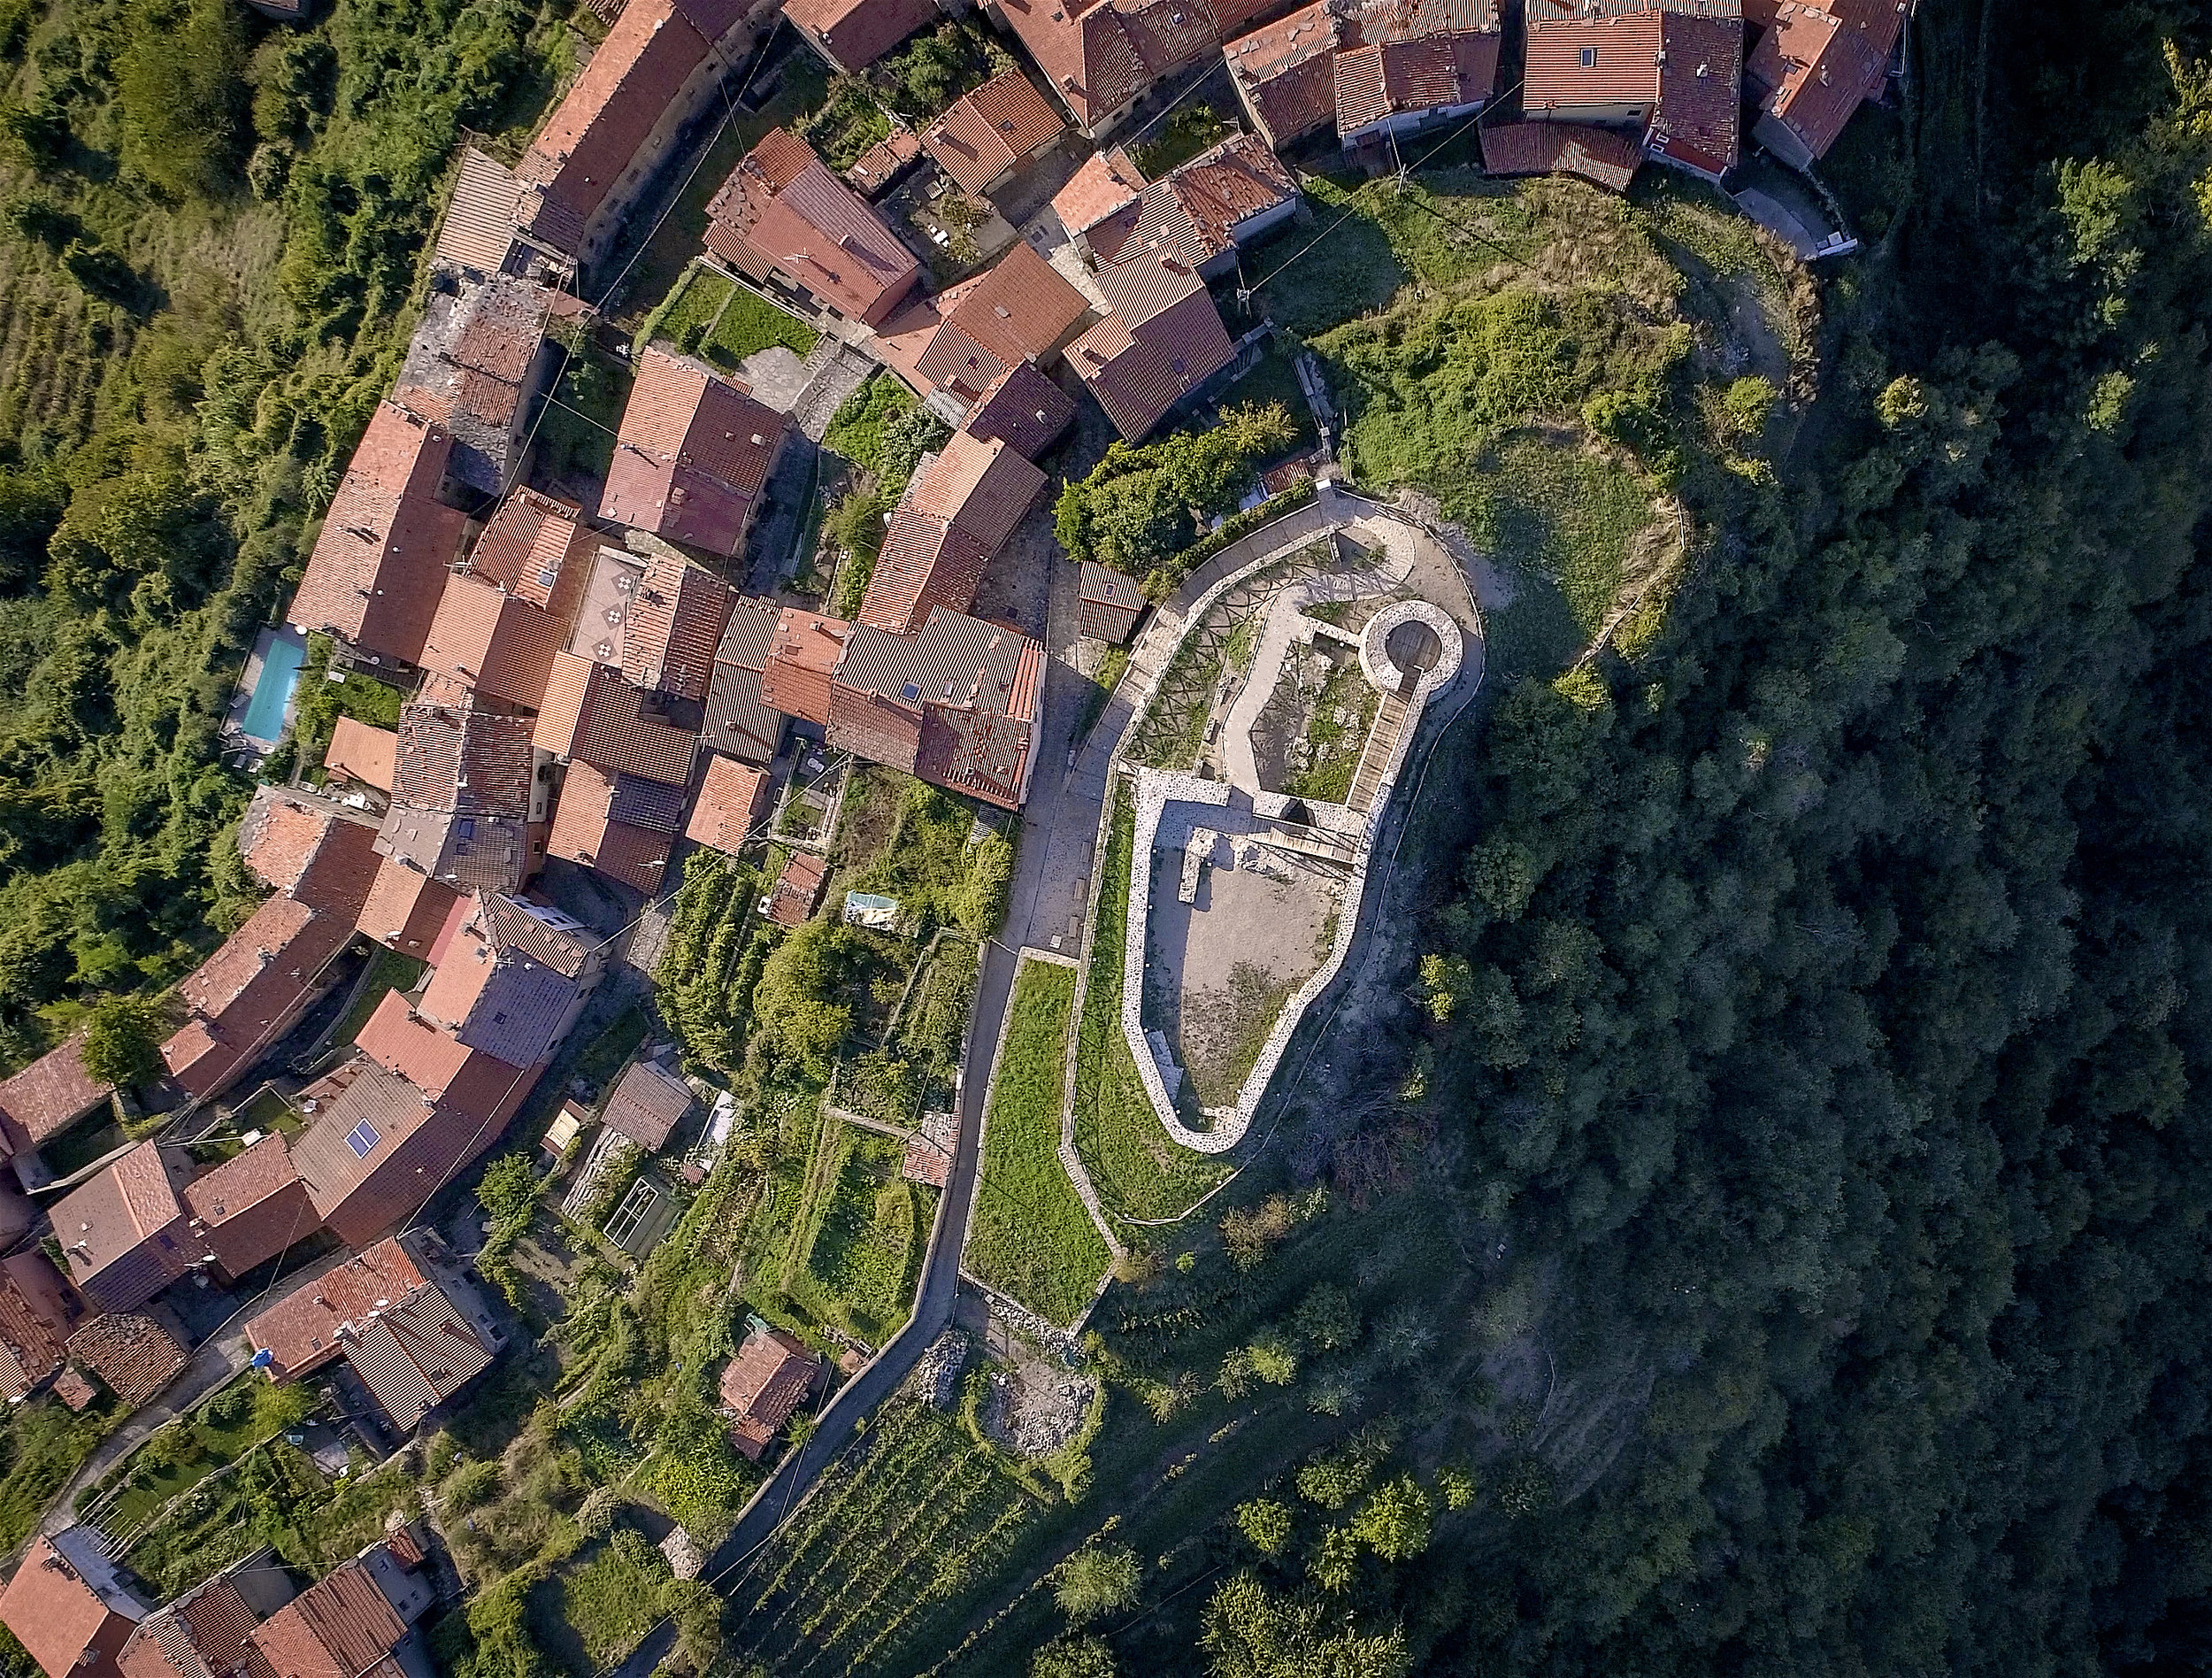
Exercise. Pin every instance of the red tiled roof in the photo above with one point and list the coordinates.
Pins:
(134, 1355)
(1283, 71)
(505, 984)
(797, 888)
(469, 368)
(1107, 181)
(127, 1221)
(492, 641)
(537, 547)
(780, 158)
(1224, 187)
(956, 512)
(462, 758)
(764, 1384)
(342, 1626)
(1100, 59)
(673, 624)
(203, 1634)
(1395, 77)
(1107, 605)
(1816, 64)
(48, 1095)
(592, 715)
(649, 1101)
(1701, 90)
(978, 688)
(301, 1331)
(801, 657)
(692, 454)
(360, 753)
(478, 231)
(590, 139)
(982, 134)
(279, 834)
(1022, 406)
(59, 1618)
(251, 1207)
(586, 829)
(402, 1040)
(381, 557)
(879, 164)
(859, 32)
(1163, 340)
(1600, 156)
(1022, 308)
(731, 801)
(415, 1356)
(406, 908)
(35, 1317)
(1624, 71)
(823, 235)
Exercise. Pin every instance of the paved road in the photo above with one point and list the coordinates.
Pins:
(932, 1312)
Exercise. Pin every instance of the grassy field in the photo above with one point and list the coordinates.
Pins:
(856, 430)
(750, 323)
(1030, 1235)
(863, 1237)
(1137, 1170)
(901, 1526)
(598, 1608)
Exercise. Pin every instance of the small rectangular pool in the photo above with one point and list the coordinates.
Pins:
(279, 655)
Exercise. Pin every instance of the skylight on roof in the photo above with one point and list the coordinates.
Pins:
(363, 1139)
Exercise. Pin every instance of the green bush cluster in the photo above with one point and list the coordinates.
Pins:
(714, 957)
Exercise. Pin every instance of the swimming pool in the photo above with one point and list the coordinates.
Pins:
(280, 662)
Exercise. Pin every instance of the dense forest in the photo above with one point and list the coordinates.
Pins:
(1823, 1010)
(210, 228)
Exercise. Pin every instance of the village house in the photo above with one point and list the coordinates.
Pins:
(1202, 212)
(959, 703)
(135, 1353)
(622, 825)
(1107, 605)
(692, 456)
(1403, 65)
(649, 1101)
(406, 909)
(474, 366)
(1603, 157)
(512, 977)
(769, 1378)
(1162, 339)
(797, 888)
(784, 221)
(731, 801)
(1022, 310)
(379, 562)
(1100, 58)
(37, 1315)
(1022, 408)
(592, 716)
(673, 624)
(249, 1208)
(1671, 70)
(537, 547)
(361, 754)
(1109, 181)
(957, 510)
(739, 722)
(358, 1621)
(661, 66)
(398, 1313)
(397, 1121)
(494, 642)
(245, 996)
(207, 1632)
(852, 34)
(1285, 72)
(467, 807)
(122, 1231)
(48, 1096)
(982, 137)
(1814, 63)
(68, 1608)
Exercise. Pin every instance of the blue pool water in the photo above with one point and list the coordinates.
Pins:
(281, 663)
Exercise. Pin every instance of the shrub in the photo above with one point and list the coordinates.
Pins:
(122, 1040)
(1097, 1582)
(1266, 1524)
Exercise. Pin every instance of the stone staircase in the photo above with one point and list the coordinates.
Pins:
(1374, 758)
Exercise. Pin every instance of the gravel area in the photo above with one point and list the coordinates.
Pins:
(935, 1377)
(1035, 1409)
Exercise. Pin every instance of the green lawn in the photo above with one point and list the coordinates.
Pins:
(1031, 1236)
(1138, 1171)
(592, 1613)
(752, 323)
(864, 1250)
(687, 311)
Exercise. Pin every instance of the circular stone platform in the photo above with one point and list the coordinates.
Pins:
(1411, 638)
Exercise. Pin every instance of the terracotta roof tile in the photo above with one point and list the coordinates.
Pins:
(536, 547)
(957, 512)
(1024, 408)
(859, 32)
(1283, 72)
(1107, 605)
(469, 368)
(692, 456)
(805, 651)
(380, 559)
(36, 1313)
(1600, 156)
(134, 1355)
(649, 1101)
(359, 752)
(493, 641)
(301, 1331)
(982, 134)
(764, 1384)
(673, 626)
(879, 164)
(822, 235)
(1816, 64)
(1163, 340)
(203, 1634)
(250, 1207)
(593, 716)
(978, 688)
(1022, 308)
(416, 1355)
(586, 830)
(343, 1626)
(732, 799)
(48, 1095)
(61, 1618)
(797, 888)
(1107, 181)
